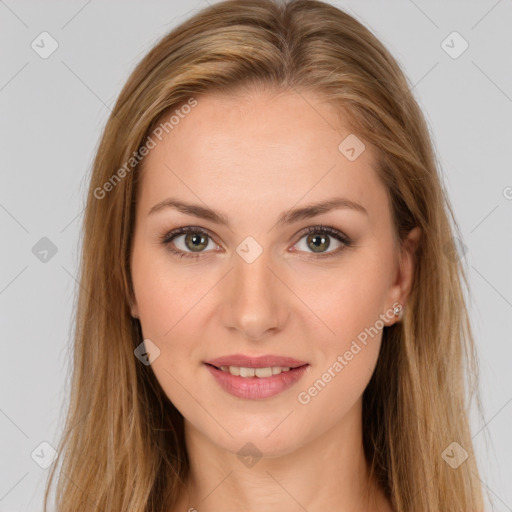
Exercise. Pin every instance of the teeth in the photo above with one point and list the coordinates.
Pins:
(247, 372)
(263, 372)
(252, 372)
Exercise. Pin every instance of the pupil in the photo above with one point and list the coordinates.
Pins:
(318, 240)
(197, 240)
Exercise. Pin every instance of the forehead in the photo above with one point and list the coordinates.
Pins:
(244, 150)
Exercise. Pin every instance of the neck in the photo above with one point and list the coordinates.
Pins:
(328, 473)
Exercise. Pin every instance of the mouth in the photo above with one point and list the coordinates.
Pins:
(256, 383)
(247, 372)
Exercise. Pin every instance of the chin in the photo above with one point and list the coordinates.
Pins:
(269, 439)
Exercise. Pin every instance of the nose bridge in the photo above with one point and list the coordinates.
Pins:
(256, 303)
(254, 278)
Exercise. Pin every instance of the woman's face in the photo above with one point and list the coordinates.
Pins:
(253, 281)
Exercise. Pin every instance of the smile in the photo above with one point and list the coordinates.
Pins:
(256, 383)
(255, 372)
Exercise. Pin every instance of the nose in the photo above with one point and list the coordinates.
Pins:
(255, 302)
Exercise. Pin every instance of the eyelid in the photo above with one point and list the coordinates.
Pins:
(169, 237)
(333, 232)
(341, 237)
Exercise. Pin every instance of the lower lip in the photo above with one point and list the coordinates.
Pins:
(254, 387)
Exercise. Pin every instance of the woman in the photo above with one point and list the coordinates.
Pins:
(271, 311)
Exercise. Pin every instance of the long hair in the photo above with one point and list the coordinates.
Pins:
(123, 447)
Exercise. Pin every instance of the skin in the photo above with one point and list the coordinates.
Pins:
(235, 154)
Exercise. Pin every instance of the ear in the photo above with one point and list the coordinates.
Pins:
(403, 281)
(134, 308)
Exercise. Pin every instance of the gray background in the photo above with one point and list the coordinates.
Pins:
(52, 112)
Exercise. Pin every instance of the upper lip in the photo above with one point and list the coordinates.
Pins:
(263, 361)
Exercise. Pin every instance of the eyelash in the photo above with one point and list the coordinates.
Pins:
(320, 229)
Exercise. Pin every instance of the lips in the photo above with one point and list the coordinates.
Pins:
(256, 388)
(263, 361)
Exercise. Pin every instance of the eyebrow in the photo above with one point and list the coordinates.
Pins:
(286, 217)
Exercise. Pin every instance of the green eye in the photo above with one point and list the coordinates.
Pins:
(196, 240)
(318, 239)
(320, 242)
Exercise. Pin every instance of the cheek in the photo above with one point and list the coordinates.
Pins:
(347, 300)
(168, 304)
(352, 307)
(348, 357)
(333, 390)
(164, 294)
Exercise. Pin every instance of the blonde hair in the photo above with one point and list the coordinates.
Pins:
(123, 445)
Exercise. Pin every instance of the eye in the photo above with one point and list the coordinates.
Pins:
(317, 239)
(196, 240)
